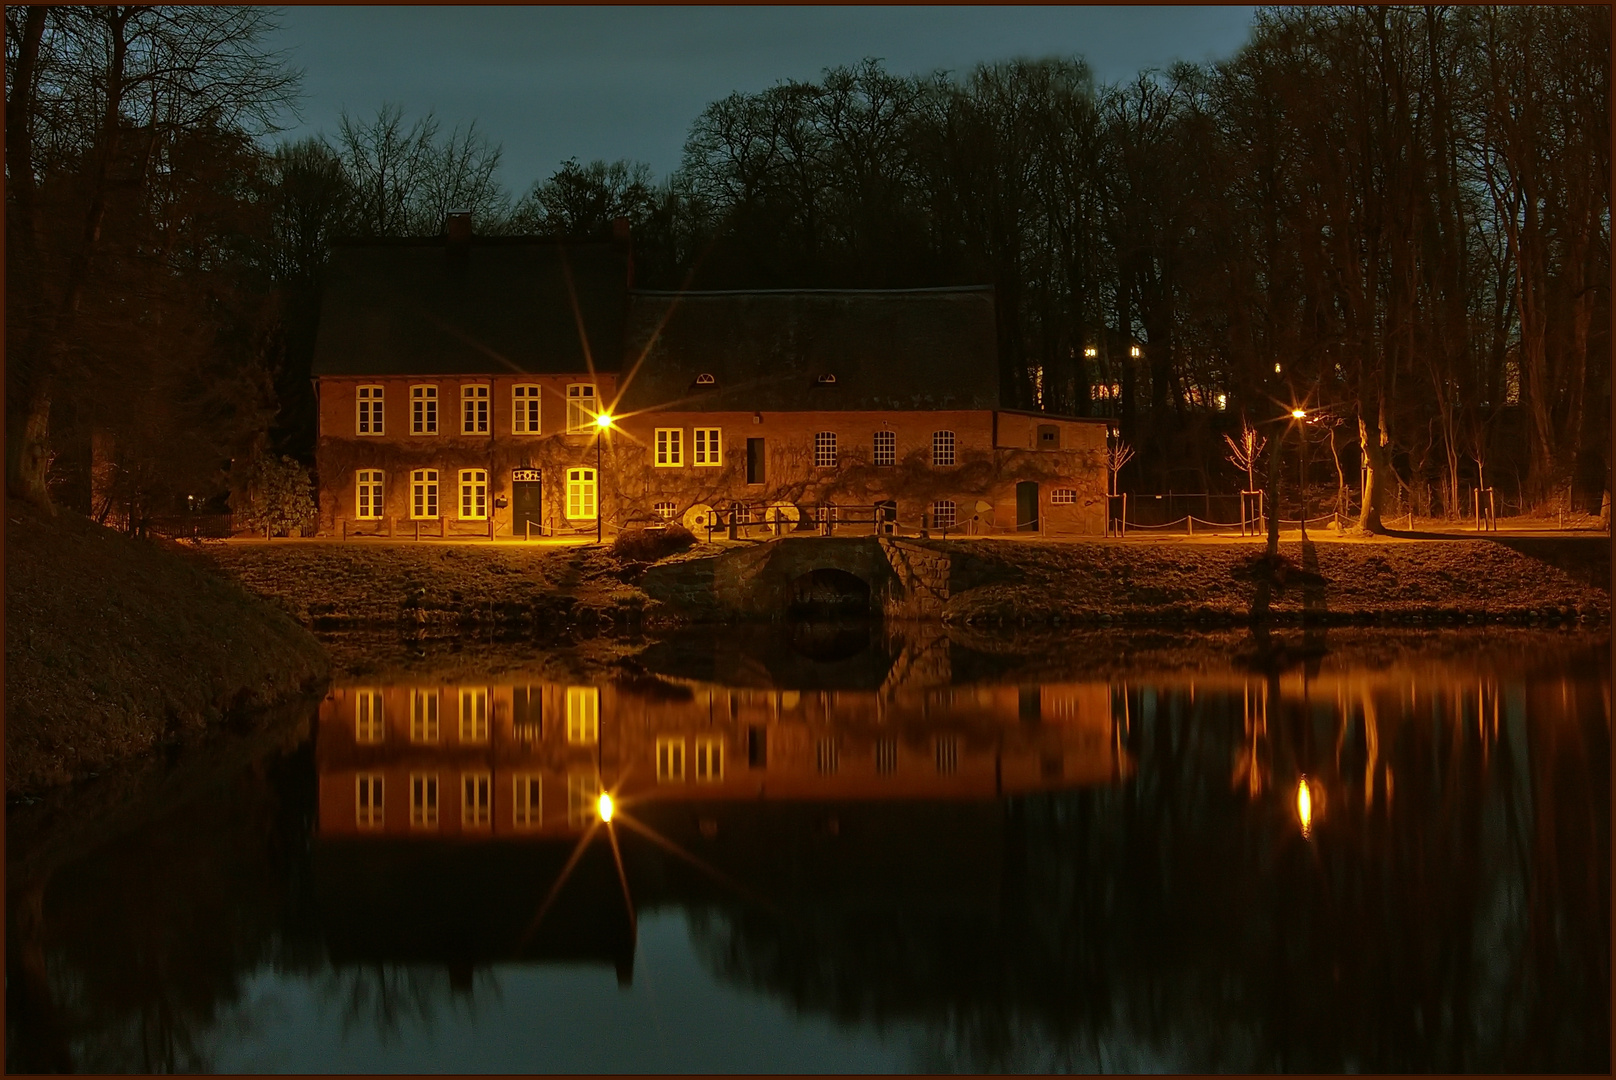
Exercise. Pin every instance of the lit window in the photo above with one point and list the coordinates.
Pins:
(474, 799)
(707, 447)
(583, 797)
(670, 449)
(525, 409)
(1135, 352)
(1223, 401)
(424, 716)
(583, 715)
(825, 755)
(886, 448)
(369, 791)
(424, 800)
(1090, 351)
(423, 410)
(370, 410)
(1059, 496)
(705, 379)
(886, 756)
(424, 493)
(947, 755)
(473, 494)
(670, 761)
(581, 494)
(942, 448)
(709, 760)
(665, 510)
(474, 714)
(369, 722)
(580, 407)
(368, 491)
(825, 450)
(474, 409)
(528, 804)
(944, 513)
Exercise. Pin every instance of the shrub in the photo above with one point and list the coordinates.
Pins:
(273, 493)
(649, 545)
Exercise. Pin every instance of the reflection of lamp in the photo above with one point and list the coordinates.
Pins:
(605, 806)
(603, 421)
(1304, 807)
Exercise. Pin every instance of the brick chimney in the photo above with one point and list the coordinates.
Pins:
(457, 227)
(620, 230)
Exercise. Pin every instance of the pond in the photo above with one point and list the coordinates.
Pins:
(838, 847)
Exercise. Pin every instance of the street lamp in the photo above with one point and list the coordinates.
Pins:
(603, 421)
(1300, 415)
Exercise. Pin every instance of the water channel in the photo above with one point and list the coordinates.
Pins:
(845, 848)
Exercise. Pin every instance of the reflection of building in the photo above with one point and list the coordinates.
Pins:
(529, 758)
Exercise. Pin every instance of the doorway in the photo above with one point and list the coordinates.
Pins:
(1027, 506)
(527, 501)
(755, 473)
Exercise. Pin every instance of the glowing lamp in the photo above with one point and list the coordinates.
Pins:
(605, 807)
(1298, 413)
(1304, 807)
(604, 420)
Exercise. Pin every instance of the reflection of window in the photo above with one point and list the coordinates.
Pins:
(581, 494)
(583, 714)
(886, 756)
(886, 448)
(424, 800)
(369, 786)
(527, 713)
(670, 761)
(368, 494)
(423, 716)
(474, 714)
(825, 756)
(583, 797)
(474, 410)
(825, 450)
(474, 801)
(709, 759)
(529, 787)
(944, 513)
(525, 409)
(947, 755)
(473, 494)
(670, 447)
(370, 410)
(424, 493)
(580, 407)
(942, 448)
(423, 410)
(707, 446)
(1060, 496)
(368, 716)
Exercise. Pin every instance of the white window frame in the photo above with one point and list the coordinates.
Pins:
(426, 707)
(943, 507)
(424, 494)
(709, 447)
(424, 800)
(527, 800)
(476, 800)
(473, 494)
(709, 759)
(526, 412)
(424, 409)
(665, 510)
(582, 496)
(474, 714)
(474, 409)
(670, 448)
(1062, 496)
(885, 448)
(826, 758)
(370, 800)
(947, 755)
(886, 756)
(581, 407)
(670, 760)
(942, 448)
(368, 493)
(369, 410)
(824, 449)
(583, 715)
(370, 717)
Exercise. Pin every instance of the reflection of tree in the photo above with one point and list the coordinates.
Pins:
(1452, 920)
(391, 997)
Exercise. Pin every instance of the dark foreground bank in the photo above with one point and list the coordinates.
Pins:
(116, 646)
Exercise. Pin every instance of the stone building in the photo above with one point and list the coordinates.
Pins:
(476, 386)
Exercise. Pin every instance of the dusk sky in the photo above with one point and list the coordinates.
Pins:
(550, 83)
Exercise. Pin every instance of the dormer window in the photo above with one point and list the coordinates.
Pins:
(705, 379)
(826, 380)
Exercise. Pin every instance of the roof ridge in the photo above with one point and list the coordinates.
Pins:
(700, 293)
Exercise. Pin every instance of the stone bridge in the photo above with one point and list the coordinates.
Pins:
(815, 575)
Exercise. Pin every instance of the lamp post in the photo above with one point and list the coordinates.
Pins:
(1300, 416)
(603, 424)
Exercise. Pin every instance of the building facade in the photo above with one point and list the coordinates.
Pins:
(462, 382)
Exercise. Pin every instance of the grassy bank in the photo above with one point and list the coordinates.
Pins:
(116, 646)
(992, 583)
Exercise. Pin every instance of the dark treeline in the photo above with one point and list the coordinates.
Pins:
(1397, 216)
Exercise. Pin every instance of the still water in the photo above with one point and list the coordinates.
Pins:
(843, 849)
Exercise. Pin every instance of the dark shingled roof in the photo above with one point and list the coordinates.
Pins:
(766, 350)
(497, 305)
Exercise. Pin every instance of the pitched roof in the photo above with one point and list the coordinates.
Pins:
(768, 350)
(495, 305)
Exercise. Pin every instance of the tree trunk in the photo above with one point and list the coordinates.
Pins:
(1271, 496)
(1374, 483)
(28, 450)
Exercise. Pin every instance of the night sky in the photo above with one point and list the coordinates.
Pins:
(625, 82)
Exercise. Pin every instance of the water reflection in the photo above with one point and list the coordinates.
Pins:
(1393, 860)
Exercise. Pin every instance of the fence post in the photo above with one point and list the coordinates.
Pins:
(345, 529)
(418, 528)
(1191, 519)
(490, 528)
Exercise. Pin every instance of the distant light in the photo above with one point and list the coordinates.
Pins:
(1298, 413)
(1276, 369)
(1304, 807)
(1223, 401)
(1091, 351)
(605, 807)
(1134, 351)
(603, 420)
